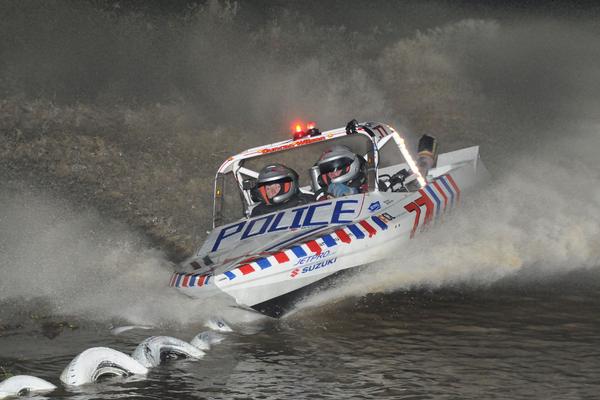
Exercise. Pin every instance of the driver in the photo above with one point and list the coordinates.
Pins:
(277, 188)
(342, 171)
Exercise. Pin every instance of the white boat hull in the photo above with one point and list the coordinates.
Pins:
(382, 223)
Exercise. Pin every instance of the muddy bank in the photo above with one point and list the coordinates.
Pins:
(119, 162)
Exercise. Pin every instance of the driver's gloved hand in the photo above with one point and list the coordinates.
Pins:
(339, 190)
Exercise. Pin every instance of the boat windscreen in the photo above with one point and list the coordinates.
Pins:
(229, 205)
(390, 156)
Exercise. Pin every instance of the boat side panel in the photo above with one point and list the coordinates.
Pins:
(387, 220)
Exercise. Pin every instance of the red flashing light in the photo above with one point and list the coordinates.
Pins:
(299, 135)
(299, 132)
(298, 129)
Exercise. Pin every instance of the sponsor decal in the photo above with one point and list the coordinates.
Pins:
(313, 215)
(313, 258)
(309, 268)
(317, 266)
(374, 206)
(385, 217)
(295, 143)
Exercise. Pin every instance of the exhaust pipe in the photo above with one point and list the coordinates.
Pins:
(427, 154)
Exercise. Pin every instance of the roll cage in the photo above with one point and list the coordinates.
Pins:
(388, 163)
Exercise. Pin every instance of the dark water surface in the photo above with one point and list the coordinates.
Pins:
(512, 340)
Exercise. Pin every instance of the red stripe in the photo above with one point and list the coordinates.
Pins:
(281, 257)
(439, 189)
(314, 246)
(186, 280)
(343, 236)
(246, 269)
(173, 279)
(455, 186)
(425, 200)
(201, 280)
(410, 207)
(368, 227)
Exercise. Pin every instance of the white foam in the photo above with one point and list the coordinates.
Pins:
(121, 329)
(84, 266)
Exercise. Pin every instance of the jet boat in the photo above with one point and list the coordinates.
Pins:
(269, 262)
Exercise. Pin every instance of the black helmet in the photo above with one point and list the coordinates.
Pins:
(342, 158)
(277, 173)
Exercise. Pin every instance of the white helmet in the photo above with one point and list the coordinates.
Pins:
(339, 158)
(277, 173)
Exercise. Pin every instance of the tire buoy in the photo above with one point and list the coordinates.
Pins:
(217, 324)
(20, 385)
(96, 362)
(204, 340)
(156, 349)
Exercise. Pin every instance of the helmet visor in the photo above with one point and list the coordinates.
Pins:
(269, 190)
(338, 164)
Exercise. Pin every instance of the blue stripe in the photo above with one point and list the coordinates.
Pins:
(192, 280)
(298, 251)
(178, 280)
(329, 241)
(379, 222)
(229, 274)
(357, 232)
(263, 263)
(443, 180)
(436, 198)
(206, 280)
